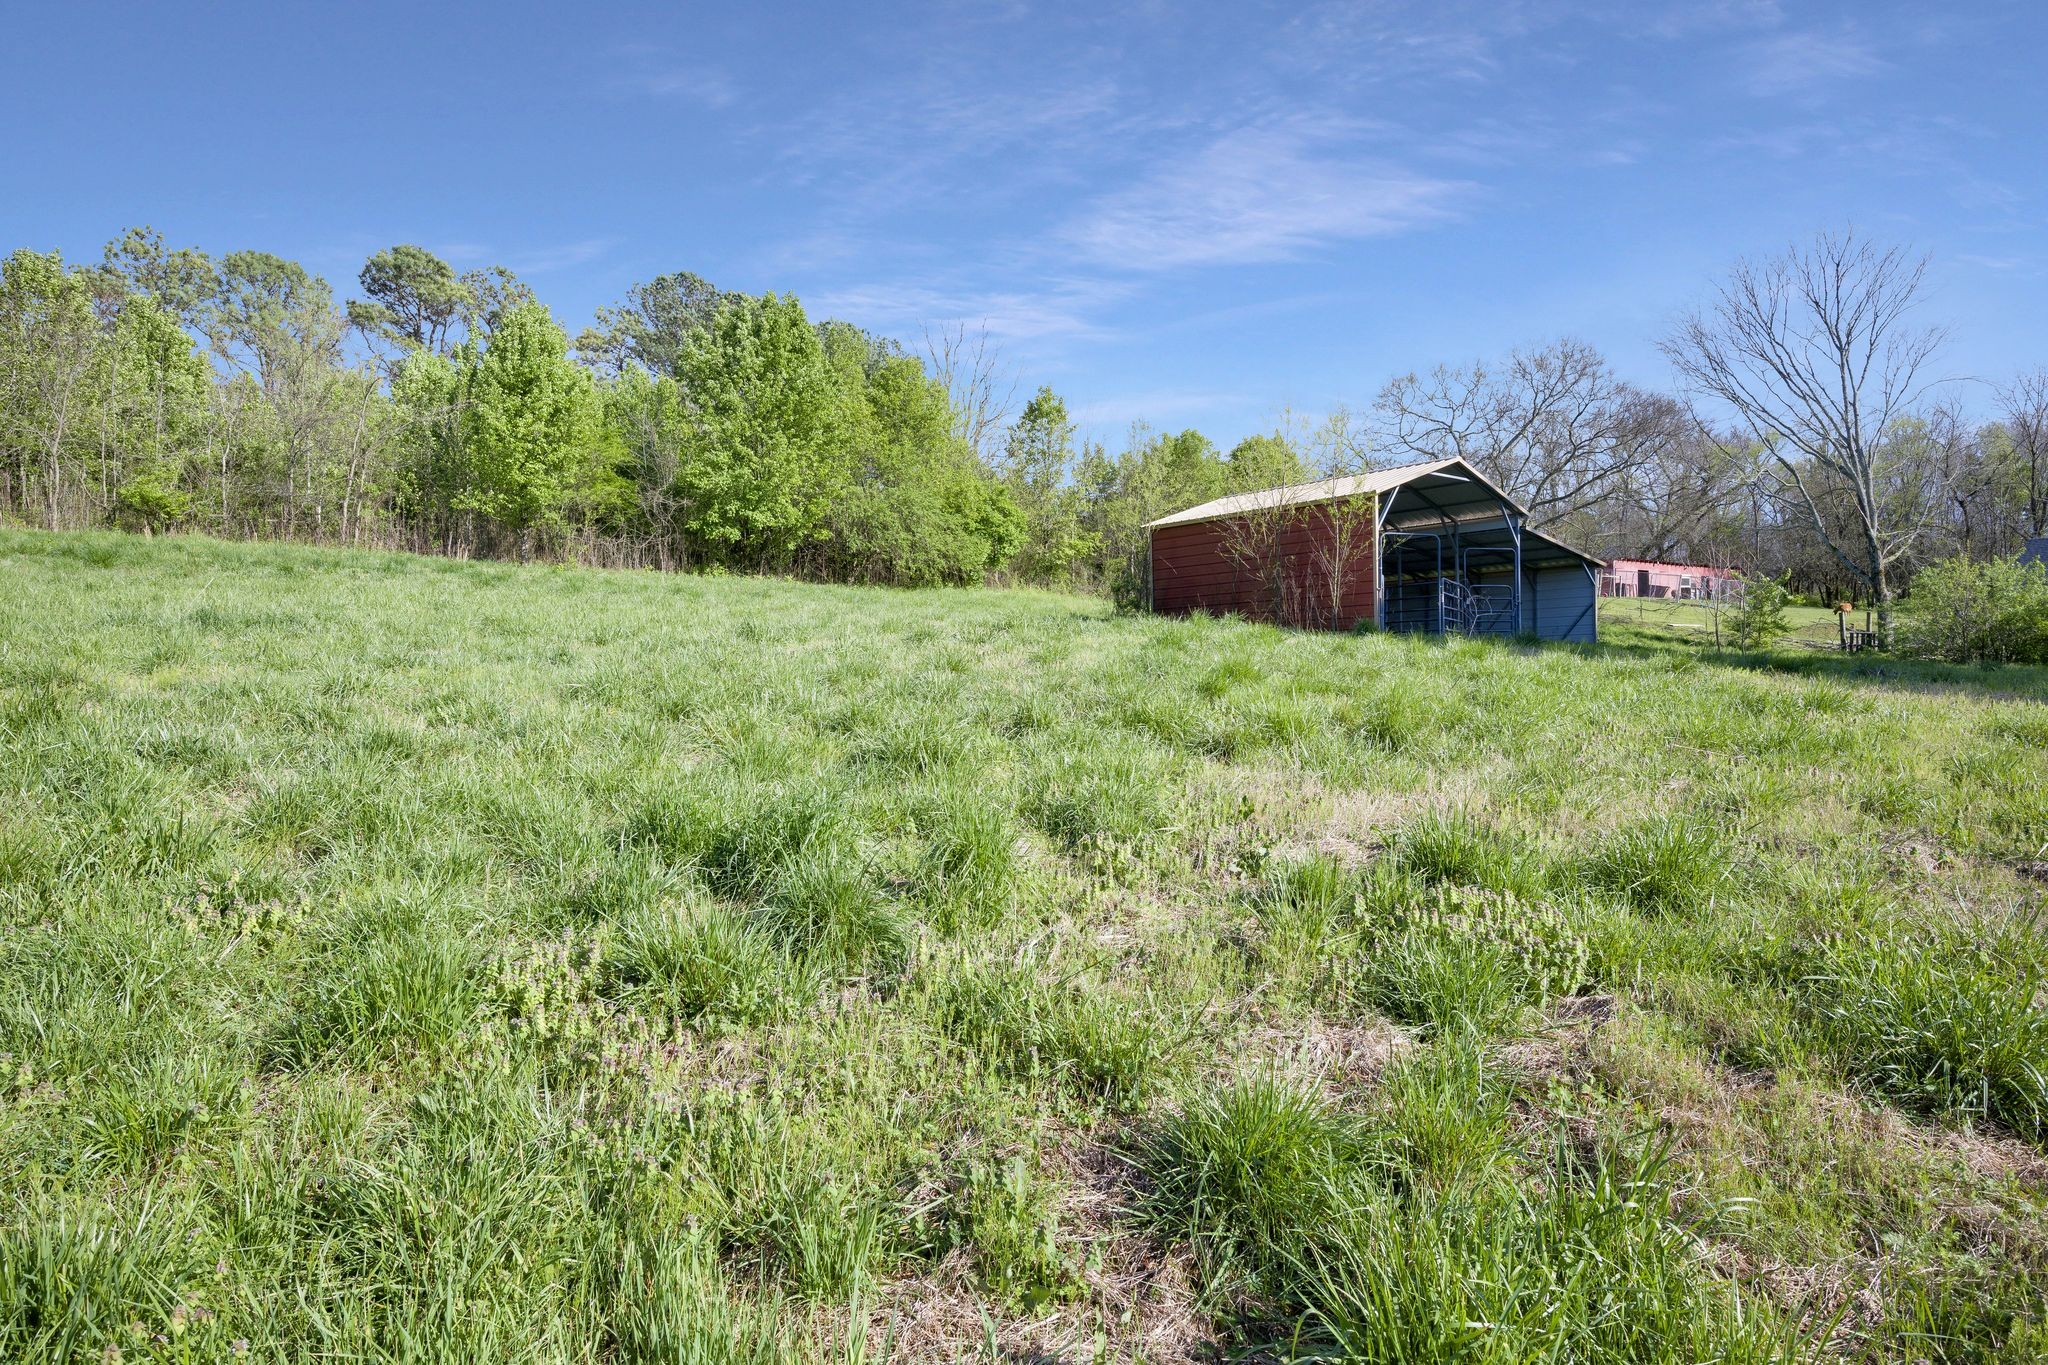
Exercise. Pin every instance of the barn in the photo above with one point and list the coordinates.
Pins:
(1663, 578)
(1430, 548)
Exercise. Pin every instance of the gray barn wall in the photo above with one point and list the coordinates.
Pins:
(1560, 605)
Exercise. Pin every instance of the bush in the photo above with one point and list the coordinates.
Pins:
(1990, 612)
(1759, 615)
(151, 501)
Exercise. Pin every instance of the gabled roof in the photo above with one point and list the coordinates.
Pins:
(1448, 490)
(1321, 490)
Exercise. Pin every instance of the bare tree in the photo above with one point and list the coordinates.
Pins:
(1813, 353)
(970, 366)
(1344, 547)
(1255, 541)
(1683, 501)
(2025, 406)
(1553, 427)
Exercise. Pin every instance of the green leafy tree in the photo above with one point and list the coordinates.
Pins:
(1038, 463)
(646, 414)
(920, 510)
(414, 298)
(1155, 474)
(653, 326)
(531, 425)
(182, 281)
(1758, 616)
(770, 440)
(276, 321)
(491, 295)
(50, 342)
(1259, 462)
(158, 388)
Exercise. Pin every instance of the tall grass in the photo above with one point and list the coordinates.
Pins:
(426, 961)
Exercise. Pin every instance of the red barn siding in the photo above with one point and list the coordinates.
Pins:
(1193, 569)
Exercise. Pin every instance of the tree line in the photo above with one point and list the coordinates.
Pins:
(164, 388)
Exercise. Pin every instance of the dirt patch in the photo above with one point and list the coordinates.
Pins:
(1344, 1058)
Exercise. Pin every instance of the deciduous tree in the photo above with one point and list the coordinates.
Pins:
(1815, 353)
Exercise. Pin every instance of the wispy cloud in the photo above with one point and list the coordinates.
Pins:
(650, 71)
(703, 85)
(1061, 309)
(1122, 409)
(1397, 42)
(1260, 193)
(527, 260)
(929, 137)
(1807, 61)
(1696, 17)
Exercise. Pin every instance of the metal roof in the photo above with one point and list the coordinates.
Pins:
(1320, 490)
(1444, 490)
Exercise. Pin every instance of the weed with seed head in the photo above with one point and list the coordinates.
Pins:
(1105, 1044)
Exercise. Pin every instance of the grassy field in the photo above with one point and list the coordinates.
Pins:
(411, 960)
(1813, 627)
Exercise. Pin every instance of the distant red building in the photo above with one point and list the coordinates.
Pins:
(1655, 578)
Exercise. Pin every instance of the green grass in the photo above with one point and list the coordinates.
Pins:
(412, 960)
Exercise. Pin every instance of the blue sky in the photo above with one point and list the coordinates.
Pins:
(1197, 215)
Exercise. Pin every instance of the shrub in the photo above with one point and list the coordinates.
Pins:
(1970, 611)
(151, 501)
(1758, 616)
